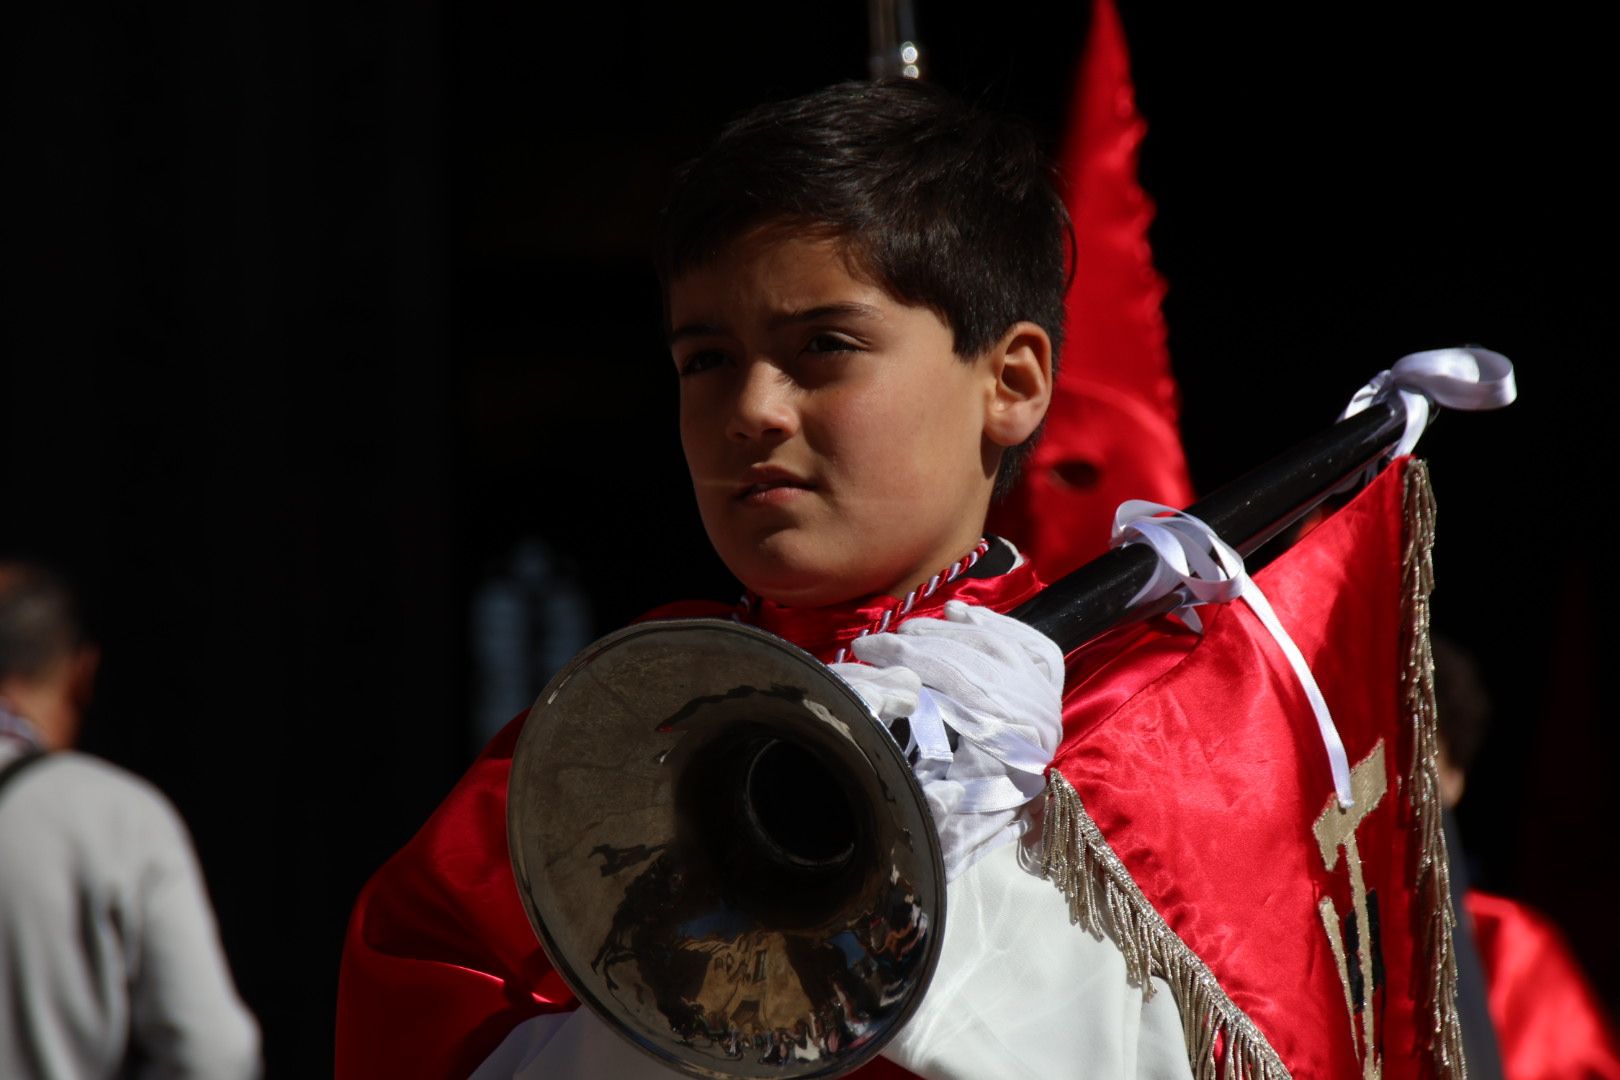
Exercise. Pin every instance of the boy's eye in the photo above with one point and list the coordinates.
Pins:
(700, 361)
(830, 343)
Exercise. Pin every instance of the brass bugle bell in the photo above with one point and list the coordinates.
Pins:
(724, 854)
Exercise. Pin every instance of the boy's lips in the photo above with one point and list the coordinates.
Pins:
(770, 484)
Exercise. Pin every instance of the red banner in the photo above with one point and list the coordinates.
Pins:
(1199, 760)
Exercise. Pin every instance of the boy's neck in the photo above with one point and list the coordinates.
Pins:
(996, 578)
(988, 557)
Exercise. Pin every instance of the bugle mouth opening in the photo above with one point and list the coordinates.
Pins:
(798, 809)
(779, 823)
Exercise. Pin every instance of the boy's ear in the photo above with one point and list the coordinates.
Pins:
(1021, 363)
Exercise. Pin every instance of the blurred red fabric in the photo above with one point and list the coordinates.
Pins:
(1111, 433)
(1549, 1023)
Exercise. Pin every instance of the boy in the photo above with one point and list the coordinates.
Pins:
(864, 293)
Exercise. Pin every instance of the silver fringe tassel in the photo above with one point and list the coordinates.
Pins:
(1439, 986)
(1104, 899)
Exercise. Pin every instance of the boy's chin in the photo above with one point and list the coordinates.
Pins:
(806, 586)
(808, 593)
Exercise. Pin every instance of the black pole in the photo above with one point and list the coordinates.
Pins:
(1245, 513)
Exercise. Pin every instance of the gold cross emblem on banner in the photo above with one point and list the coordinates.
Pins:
(1356, 938)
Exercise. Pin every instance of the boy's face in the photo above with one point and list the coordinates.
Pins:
(836, 442)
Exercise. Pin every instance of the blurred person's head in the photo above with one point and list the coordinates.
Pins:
(1463, 713)
(47, 664)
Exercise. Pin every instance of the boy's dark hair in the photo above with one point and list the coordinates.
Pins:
(944, 204)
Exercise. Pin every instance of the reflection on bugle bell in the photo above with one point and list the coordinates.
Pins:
(724, 854)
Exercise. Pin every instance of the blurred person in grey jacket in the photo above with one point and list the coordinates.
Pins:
(110, 962)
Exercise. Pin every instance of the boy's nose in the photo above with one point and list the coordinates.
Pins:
(763, 407)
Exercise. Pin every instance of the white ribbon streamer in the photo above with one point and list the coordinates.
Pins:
(928, 732)
(1206, 570)
(1023, 763)
(1019, 772)
(1470, 379)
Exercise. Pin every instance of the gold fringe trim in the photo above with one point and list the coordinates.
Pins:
(1438, 988)
(1104, 898)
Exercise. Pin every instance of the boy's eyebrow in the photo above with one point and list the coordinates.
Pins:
(825, 311)
(846, 309)
(697, 329)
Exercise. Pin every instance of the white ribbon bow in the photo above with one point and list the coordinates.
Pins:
(1470, 379)
(1206, 570)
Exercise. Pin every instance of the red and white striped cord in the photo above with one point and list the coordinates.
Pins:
(922, 592)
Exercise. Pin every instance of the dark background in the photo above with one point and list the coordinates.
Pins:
(314, 313)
